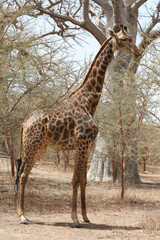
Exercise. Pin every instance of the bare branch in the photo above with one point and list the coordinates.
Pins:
(14, 18)
(98, 19)
(155, 19)
(26, 92)
(60, 16)
(53, 4)
(80, 6)
(106, 7)
(154, 115)
(148, 39)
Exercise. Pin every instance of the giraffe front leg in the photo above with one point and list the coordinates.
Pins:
(83, 183)
(80, 177)
(83, 202)
(74, 216)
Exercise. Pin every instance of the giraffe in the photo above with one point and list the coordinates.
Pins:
(71, 126)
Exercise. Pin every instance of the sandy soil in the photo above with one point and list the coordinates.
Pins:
(48, 206)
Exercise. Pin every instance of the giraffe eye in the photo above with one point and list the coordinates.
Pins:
(123, 39)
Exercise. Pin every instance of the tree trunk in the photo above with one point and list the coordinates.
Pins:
(101, 168)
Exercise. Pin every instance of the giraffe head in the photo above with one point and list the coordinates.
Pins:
(122, 40)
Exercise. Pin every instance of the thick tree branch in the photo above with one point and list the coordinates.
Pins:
(148, 37)
(147, 40)
(98, 20)
(106, 6)
(85, 23)
(89, 26)
(60, 16)
(128, 3)
(100, 2)
(118, 10)
(137, 4)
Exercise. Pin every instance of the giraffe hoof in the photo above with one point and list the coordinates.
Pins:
(24, 220)
(77, 225)
(86, 221)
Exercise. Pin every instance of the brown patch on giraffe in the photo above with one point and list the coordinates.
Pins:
(45, 120)
(97, 63)
(65, 134)
(98, 89)
(75, 104)
(50, 134)
(100, 72)
(89, 87)
(93, 82)
(99, 79)
(103, 67)
(60, 129)
(94, 72)
(52, 127)
(56, 136)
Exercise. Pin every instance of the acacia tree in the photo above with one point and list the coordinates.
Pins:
(69, 19)
(30, 75)
(148, 104)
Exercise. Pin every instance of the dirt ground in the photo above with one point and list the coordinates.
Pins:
(48, 207)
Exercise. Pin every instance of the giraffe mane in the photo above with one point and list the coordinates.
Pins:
(86, 77)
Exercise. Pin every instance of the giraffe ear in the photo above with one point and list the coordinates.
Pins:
(113, 34)
(125, 28)
(116, 28)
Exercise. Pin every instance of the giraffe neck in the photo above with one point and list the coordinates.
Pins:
(93, 85)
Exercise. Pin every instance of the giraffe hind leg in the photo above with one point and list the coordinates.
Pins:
(18, 163)
(21, 191)
(25, 170)
(79, 178)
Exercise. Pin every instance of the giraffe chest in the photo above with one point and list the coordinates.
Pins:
(60, 133)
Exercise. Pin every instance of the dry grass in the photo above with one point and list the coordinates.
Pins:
(151, 223)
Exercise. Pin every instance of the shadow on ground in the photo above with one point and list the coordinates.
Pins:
(92, 226)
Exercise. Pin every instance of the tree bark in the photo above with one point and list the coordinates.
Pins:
(101, 166)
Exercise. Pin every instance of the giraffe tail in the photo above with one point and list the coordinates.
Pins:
(18, 163)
